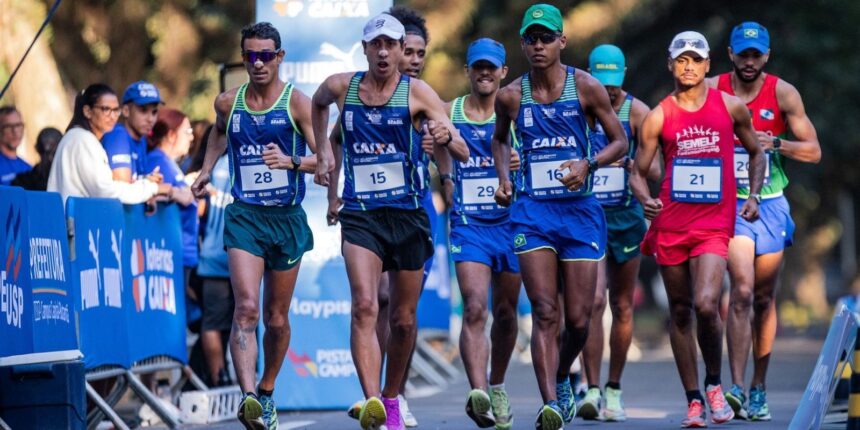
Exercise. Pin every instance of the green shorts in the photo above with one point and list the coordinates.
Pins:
(625, 227)
(280, 235)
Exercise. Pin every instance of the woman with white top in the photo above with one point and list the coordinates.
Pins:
(81, 167)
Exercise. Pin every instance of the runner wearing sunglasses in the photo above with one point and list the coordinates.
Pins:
(694, 216)
(267, 124)
(755, 253)
(557, 224)
(383, 225)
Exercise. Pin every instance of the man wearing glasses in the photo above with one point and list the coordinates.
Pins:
(558, 227)
(694, 216)
(267, 125)
(126, 143)
(11, 136)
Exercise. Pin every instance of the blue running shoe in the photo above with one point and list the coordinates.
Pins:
(758, 410)
(566, 404)
(737, 400)
(549, 417)
(270, 413)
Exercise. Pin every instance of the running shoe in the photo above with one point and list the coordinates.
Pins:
(393, 421)
(566, 404)
(355, 410)
(372, 414)
(478, 408)
(720, 410)
(408, 419)
(695, 415)
(589, 409)
(737, 400)
(613, 408)
(250, 413)
(270, 413)
(501, 408)
(758, 410)
(549, 417)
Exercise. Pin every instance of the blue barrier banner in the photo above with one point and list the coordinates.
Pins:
(16, 301)
(50, 274)
(98, 231)
(434, 306)
(318, 372)
(156, 298)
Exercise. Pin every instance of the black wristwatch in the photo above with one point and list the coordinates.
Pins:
(297, 161)
(450, 139)
(445, 176)
(592, 165)
(777, 143)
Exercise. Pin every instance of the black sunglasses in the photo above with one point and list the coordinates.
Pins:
(264, 56)
(545, 38)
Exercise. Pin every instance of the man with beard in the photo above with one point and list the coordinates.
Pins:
(755, 253)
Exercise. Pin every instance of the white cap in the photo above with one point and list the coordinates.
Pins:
(689, 41)
(383, 25)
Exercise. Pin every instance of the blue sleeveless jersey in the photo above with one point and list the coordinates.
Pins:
(384, 165)
(248, 133)
(611, 184)
(550, 134)
(475, 180)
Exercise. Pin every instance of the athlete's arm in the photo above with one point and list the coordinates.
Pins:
(439, 126)
(649, 141)
(217, 141)
(444, 165)
(300, 108)
(331, 90)
(747, 136)
(507, 105)
(334, 201)
(638, 111)
(805, 147)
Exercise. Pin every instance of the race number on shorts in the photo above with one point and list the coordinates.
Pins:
(697, 180)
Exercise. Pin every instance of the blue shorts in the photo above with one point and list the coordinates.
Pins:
(485, 244)
(575, 229)
(773, 231)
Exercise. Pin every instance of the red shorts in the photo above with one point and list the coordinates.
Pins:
(671, 248)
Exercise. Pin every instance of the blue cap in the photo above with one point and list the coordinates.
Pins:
(750, 35)
(607, 65)
(488, 50)
(141, 93)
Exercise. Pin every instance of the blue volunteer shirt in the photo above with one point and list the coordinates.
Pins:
(124, 151)
(174, 176)
(10, 168)
(213, 257)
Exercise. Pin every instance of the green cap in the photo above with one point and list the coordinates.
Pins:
(542, 14)
(607, 65)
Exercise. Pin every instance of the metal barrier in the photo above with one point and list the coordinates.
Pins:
(853, 422)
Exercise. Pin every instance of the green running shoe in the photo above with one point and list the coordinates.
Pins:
(478, 408)
(501, 408)
(372, 415)
(737, 400)
(250, 413)
(549, 417)
(613, 409)
(589, 408)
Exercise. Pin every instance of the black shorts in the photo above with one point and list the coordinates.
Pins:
(217, 304)
(400, 237)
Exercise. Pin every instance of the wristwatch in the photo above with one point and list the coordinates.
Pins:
(777, 143)
(592, 164)
(445, 176)
(756, 197)
(297, 161)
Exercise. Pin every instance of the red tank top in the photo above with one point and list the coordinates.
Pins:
(764, 108)
(698, 190)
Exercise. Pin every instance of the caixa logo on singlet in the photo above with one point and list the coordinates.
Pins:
(152, 277)
(11, 295)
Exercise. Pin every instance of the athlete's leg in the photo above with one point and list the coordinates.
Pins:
(592, 353)
(363, 268)
(679, 293)
(764, 307)
(404, 294)
(580, 281)
(707, 271)
(246, 272)
(277, 295)
(539, 270)
(503, 332)
(622, 283)
(474, 279)
(382, 318)
(738, 324)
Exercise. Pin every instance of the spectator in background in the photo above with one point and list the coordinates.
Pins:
(80, 165)
(126, 143)
(217, 294)
(46, 146)
(11, 136)
(170, 140)
(199, 127)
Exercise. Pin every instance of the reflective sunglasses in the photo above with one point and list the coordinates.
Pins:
(689, 43)
(264, 56)
(545, 38)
